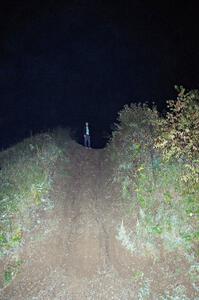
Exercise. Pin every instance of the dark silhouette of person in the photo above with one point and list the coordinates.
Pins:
(87, 139)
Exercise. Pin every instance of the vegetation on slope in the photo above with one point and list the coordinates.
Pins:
(25, 183)
(156, 164)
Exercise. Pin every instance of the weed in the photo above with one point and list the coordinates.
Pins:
(137, 276)
(194, 276)
(178, 293)
(11, 271)
(144, 292)
(125, 238)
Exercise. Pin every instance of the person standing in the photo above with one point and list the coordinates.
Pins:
(87, 139)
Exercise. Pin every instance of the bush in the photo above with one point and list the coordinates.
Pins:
(179, 134)
(131, 145)
(166, 214)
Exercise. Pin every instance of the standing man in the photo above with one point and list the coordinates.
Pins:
(87, 139)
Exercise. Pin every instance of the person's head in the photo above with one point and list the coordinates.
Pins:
(86, 123)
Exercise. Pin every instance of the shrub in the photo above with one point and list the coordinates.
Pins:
(165, 211)
(131, 145)
(179, 134)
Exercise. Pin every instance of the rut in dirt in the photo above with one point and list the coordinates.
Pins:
(74, 253)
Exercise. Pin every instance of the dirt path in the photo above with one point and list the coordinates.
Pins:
(73, 253)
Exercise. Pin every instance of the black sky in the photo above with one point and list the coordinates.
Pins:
(67, 62)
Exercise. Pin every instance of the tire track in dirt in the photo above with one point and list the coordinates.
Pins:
(98, 211)
(90, 238)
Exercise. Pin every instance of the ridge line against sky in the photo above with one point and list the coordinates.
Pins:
(62, 62)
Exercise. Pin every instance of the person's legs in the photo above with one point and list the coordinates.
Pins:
(85, 141)
(89, 141)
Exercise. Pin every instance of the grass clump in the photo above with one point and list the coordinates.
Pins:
(26, 178)
(178, 293)
(11, 271)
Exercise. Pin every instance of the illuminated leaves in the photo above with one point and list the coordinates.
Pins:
(179, 131)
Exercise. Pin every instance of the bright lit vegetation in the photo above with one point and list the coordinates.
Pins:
(156, 164)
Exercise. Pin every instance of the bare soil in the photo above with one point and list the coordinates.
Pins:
(73, 253)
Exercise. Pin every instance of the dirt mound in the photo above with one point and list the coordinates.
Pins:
(73, 254)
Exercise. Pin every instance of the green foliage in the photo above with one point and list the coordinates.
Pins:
(11, 271)
(151, 173)
(137, 276)
(8, 276)
(179, 134)
(131, 144)
(180, 128)
(25, 183)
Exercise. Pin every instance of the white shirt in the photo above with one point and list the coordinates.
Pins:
(87, 130)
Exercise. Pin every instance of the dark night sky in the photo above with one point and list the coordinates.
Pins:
(67, 62)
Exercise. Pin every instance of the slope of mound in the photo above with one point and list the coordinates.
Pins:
(73, 252)
(69, 255)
